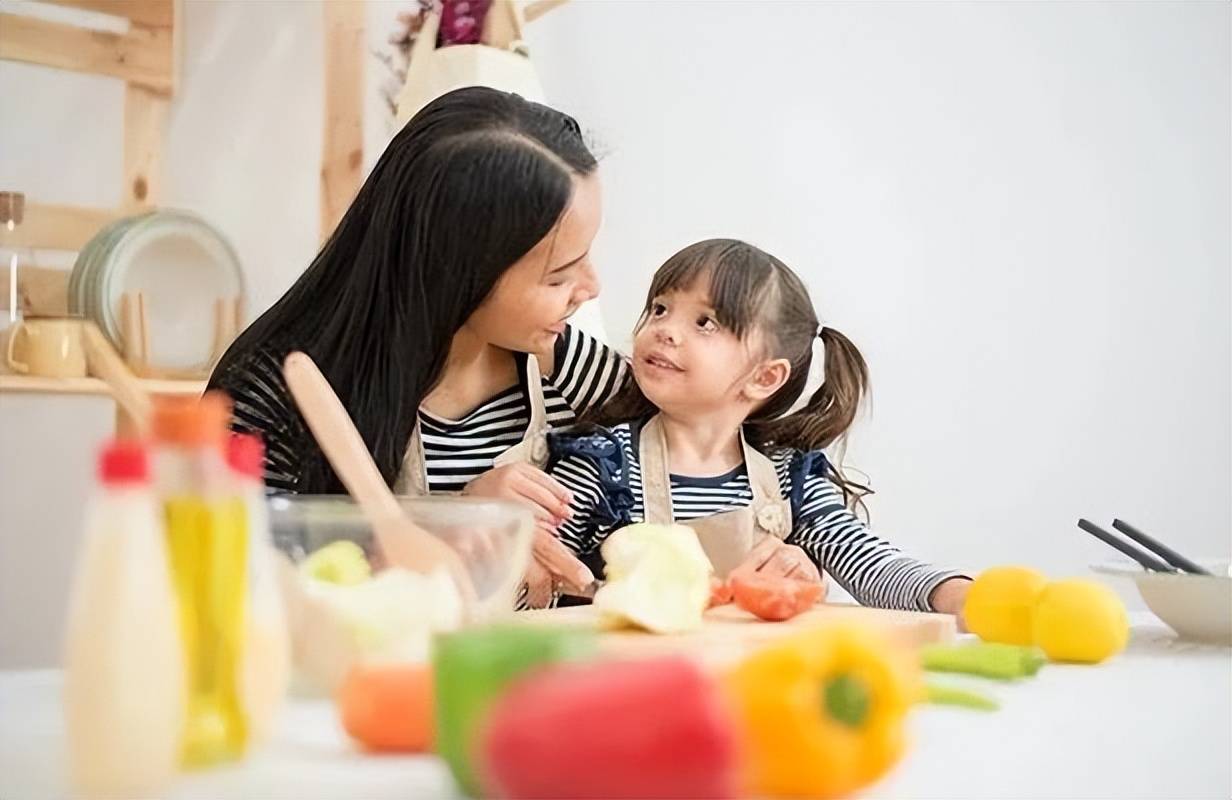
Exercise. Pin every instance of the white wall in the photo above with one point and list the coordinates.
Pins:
(1020, 212)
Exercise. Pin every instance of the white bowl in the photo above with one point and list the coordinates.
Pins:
(1197, 607)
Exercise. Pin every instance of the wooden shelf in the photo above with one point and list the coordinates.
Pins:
(24, 384)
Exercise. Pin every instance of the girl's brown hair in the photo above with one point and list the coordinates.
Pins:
(752, 291)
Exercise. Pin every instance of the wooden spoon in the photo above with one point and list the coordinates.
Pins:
(402, 542)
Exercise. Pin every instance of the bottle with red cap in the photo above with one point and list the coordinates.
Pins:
(207, 541)
(267, 649)
(124, 696)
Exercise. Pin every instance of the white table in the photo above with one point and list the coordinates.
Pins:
(1154, 723)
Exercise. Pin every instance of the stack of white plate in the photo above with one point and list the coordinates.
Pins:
(179, 263)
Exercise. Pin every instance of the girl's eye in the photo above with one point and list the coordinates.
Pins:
(707, 324)
(657, 309)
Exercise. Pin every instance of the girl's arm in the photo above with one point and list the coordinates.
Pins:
(872, 570)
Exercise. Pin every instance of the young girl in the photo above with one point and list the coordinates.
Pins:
(700, 434)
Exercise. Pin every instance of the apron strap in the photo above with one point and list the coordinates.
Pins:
(771, 511)
(413, 480)
(534, 397)
(656, 478)
(763, 477)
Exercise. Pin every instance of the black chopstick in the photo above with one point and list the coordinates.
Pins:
(1159, 548)
(1145, 559)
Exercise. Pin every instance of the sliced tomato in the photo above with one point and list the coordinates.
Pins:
(773, 598)
(720, 592)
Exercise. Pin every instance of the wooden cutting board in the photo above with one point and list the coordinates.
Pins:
(728, 633)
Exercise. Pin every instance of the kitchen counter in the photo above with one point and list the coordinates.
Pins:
(1156, 722)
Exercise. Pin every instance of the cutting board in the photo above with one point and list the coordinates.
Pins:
(728, 632)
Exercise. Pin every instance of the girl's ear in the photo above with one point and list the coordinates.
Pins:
(766, 379)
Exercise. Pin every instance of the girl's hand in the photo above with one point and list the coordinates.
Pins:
(776, 558)
(949, 597)
(526, 484)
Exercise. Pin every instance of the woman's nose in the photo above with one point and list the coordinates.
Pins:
(587, 288)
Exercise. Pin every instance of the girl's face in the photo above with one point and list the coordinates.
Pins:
(528, 308)
(684, 361)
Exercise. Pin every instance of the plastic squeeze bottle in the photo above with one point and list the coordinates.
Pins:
(267, 648)
(207, 543)
(124, 685)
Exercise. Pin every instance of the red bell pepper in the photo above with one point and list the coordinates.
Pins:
(634, 729)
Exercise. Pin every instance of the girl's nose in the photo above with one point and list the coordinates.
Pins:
(665, 333)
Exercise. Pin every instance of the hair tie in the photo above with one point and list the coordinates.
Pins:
(821, 329)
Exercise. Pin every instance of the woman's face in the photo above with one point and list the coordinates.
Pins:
(527, 309)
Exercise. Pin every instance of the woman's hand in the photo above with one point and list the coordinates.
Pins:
(552, 555)
(775, 558)
(526, 484)
(540, 585)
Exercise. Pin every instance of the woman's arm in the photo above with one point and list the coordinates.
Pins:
(872, 570)
(585, 371)
(263, 406)
(579, 530)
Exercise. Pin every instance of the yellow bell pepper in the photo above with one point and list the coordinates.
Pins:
(821, 713)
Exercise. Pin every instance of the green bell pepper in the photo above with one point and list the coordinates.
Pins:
(472, 669)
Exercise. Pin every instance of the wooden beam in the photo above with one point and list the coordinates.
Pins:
(503, 24)
(151, 13)
(142, 56)
(145, 119)
(342, 157)
(53, 227)
(537, 9)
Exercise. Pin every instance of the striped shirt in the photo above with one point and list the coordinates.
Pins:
(457, 451)
(586, 373)
(870, 569)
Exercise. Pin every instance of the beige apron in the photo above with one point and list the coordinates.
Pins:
(533, 449)
(728, 537)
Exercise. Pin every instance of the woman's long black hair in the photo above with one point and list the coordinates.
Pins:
(468, 187)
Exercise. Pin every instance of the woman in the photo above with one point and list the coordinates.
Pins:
(437, 307)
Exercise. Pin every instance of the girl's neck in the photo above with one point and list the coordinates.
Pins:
(475, 370)
(702, 446)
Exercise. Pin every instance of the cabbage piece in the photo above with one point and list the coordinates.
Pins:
(395, 614)
(658, 579)
(341, 562)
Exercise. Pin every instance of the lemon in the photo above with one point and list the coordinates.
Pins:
(341, 562)
(1080, 620)
(1000, 602)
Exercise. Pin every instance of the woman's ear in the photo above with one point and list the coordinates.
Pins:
(766, 379)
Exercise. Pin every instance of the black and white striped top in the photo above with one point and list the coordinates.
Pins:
(457, 451)
(585, 374)
(872, 571)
